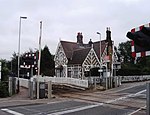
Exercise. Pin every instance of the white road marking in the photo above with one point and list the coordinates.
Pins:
(76, 109)
(96, 105)
(12, 112)
(137, 110)
(121, 98)
(64, 111)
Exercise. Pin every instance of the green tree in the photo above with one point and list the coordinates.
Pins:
(124, 51)
(5, 71)
(14, 64)
(4, 89)
(4, 78)
(128, 67)
(47, 62)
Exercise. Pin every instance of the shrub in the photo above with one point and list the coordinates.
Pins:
(4, 89)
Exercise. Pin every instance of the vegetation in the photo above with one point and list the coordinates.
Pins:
(4, 79)
(4, 89)
(10, 68)
(128, 67)
(47, 63)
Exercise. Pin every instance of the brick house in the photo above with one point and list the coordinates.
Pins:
(75, 59)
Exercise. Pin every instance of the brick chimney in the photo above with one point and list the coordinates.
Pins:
(108, 36)
(79, 38)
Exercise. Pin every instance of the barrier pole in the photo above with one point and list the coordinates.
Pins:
(49, 89)
(148, 99)
(37, 89)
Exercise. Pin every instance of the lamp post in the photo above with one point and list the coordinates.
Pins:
(100, 54)
(19, 50)
(99, 47)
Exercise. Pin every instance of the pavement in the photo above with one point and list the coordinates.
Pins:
(22, 99)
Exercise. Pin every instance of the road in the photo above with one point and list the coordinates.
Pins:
(125, 100)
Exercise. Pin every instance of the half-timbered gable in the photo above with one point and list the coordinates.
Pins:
(60, 56)
(91, 60)
(75, 64)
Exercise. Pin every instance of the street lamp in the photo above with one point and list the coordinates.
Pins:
(19, 50)
(100, 45)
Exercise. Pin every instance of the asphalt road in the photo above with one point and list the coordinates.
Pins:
(119, 101)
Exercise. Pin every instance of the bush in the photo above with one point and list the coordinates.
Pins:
(4, 89)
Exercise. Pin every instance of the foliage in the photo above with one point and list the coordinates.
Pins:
(4, 89)
(5, 70)
(4, 78)
(14, 64)
(128, 67)
(47, 62)
(124, 52)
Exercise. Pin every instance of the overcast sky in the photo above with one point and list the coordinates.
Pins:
(63, 19)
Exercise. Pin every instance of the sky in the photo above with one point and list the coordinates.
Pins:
(63, 19)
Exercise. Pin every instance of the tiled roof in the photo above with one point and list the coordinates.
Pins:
(68, 47)
(76, 53)
(79, 56)
(96, 46)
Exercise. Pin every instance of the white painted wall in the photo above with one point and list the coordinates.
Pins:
(24, 82)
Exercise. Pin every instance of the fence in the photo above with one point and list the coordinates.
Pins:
(63, 80)
(79, 82)
(134, 78)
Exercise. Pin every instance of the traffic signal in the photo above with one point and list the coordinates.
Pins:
(29, 59)
(29, 62)
(146, 31)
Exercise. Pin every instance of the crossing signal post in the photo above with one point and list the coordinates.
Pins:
(140, 41)
(29, 61)
(141, 38)
(141, 45)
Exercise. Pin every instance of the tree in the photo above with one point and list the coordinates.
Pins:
(128, 67)
(4, 78)
(47, 62)
(4, 89)
(14, 64)
(5, 70)
(124, 49)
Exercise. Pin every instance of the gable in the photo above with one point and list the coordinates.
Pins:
(91, 60)
(60, 57)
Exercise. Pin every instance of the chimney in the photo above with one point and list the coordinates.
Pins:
(90, 43)
(79, 38)
(108, 34)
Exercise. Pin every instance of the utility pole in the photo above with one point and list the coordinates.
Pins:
(39, 60)
(19, 51)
